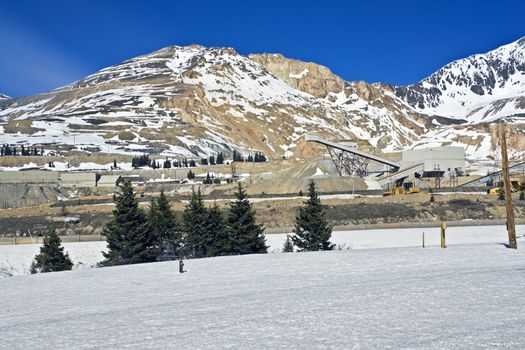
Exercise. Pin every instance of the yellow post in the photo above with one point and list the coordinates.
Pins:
(443, 228)
(423, 239)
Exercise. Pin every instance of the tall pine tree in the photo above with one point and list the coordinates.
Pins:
(196, 231)
(248, 236)
(128, 234)
(165, 228)
(312, 231)
(51, 257)
(220, 239)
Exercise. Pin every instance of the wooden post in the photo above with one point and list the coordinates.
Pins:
(423, 239)
(511, 228)
(443, 227)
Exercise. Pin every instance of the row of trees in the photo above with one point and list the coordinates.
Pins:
(211, 160)
(145, 160)
(257, 157)
(135, 235)
(7, 150)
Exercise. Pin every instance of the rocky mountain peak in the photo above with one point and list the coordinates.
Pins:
(465, 85)
(312, 78)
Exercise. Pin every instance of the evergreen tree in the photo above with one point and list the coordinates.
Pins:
(247, 235)
(115, 164)
(204, 161)
(220, 158)
(195, 227)
(312, 231)
(237, 157)
(128, 233)
(208, 179)
(51, 257)
(212, 160)
(218, 240)
(288, 245)
(501, 193)
(165, 229)
(190, 175)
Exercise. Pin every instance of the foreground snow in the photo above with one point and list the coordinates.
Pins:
(463, 297)
(16, 259)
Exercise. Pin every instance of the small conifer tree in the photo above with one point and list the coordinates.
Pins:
(51, 257)
(501, 193)
(312, 231)
(248, 236)
(288, 245)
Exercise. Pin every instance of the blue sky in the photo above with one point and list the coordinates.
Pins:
(46, 44)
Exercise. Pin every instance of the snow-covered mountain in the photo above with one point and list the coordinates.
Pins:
(197, 101)
(479, 88)
(194, 101)
(3, 97)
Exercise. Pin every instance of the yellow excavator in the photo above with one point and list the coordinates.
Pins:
(516, 186)
(406, 187)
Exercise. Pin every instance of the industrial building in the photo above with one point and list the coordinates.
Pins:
(78, 179)
(437, 161)
(109, 181)
(36, 177)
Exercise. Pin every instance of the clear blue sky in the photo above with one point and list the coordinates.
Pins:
(46, 44)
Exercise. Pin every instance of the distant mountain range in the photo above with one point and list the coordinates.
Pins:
(197, 101)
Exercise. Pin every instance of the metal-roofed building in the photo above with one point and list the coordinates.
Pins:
(437, 161)
(109, 181)
(38, 177)
(78, 179)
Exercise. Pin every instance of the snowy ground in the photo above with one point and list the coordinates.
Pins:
(464, 297)
(17, 258)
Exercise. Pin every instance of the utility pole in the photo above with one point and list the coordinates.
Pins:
(511, 228)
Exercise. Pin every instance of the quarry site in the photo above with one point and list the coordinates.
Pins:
(358, 189)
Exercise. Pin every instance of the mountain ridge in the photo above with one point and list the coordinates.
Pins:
(196, 101)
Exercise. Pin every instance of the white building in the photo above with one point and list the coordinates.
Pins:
(445, 161)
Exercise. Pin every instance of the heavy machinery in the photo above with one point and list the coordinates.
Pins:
(402, 187)
(516, 186)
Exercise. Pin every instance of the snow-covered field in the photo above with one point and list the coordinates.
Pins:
(464, 297)
(17, 258)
